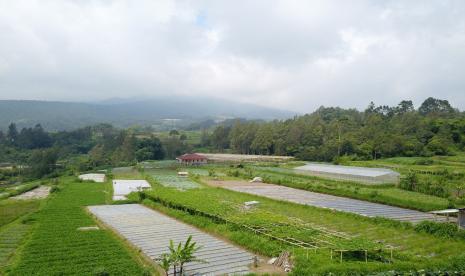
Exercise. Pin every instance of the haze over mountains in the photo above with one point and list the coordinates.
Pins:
(128, 112)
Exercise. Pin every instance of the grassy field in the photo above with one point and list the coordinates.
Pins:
(57, 247)
(414, 250)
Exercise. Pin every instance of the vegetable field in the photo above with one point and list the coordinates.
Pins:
(57, 246)
(169, 178)
(10, 239)
(13, 209)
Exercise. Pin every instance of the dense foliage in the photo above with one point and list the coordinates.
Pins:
(435, 128)
(39, 152)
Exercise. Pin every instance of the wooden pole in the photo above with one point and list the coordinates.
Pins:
(341, 257)
(366, 256)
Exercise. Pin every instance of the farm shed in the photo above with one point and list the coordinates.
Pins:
(348, 173)
(96, 177)
(192, 159)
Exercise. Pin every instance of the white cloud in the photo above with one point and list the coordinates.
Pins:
(288, 54)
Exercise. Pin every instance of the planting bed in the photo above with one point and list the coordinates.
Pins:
(385, 194)
(37, 193)
(10, 210)
(169, 178)
(151, 232)
(326, 201)
(10, 239)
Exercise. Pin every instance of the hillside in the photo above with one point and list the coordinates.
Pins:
(124, 113)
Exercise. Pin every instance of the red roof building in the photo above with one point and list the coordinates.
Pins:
(192, 159)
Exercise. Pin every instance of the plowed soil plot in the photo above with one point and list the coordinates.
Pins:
(152, 231)
(326, 201)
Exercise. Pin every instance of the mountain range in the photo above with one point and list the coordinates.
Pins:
(161, 112)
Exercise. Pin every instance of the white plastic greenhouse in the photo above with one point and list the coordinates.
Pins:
(348, 173)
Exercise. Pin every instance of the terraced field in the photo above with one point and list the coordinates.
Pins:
(57, 247)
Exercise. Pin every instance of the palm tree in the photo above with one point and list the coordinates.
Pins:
(187, 254)
(179, 255)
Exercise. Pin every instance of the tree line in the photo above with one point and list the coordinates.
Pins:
(40, 152)
(435, 128)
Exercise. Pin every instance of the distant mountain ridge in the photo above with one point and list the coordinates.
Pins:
(55, 115)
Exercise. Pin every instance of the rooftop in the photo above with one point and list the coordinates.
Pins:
(191, 156)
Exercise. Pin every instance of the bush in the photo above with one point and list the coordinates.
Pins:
(423, 161)
(445, 230)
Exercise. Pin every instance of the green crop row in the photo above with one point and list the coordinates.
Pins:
(10, 210)
(57, 247)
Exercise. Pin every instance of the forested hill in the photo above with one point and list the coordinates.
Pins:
(435, 128)
(148, 112)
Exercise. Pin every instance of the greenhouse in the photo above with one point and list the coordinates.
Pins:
(348, 173)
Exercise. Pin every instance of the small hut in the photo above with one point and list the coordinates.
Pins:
(192, 159)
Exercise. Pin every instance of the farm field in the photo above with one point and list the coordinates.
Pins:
(169, 178)
(413, 249)
(386, 194)
(56, 245)
(11, 210)
(11, 237)
(342, 204)
(438, 175)
(17, 189)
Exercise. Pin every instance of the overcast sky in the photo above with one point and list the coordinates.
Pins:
(294, 55)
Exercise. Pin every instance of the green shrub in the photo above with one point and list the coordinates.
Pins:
(445, 230)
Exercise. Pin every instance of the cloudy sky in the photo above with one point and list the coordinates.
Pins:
(294, 55)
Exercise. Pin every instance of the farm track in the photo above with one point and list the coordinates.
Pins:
(151, 231)
(342, 204)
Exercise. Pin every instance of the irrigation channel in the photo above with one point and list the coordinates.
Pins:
(343, 204)
(151, 231)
